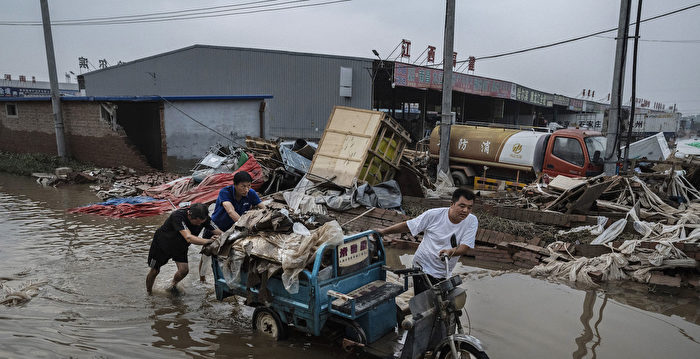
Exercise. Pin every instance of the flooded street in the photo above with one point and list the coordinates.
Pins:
(94, 303)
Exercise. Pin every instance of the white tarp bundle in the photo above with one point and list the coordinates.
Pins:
(629, 261)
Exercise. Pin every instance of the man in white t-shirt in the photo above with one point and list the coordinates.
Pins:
(439, 225)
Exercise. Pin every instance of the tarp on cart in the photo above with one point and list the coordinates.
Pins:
(289, 252)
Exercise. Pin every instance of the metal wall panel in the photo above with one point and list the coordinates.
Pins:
(304, 86)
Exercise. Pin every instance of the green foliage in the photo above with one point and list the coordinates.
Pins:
(28, 163)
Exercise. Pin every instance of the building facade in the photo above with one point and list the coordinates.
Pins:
(305, 87)
(139, 132)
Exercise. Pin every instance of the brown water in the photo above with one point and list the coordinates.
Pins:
(94, 304)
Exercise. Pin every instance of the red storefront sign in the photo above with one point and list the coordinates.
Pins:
(423, 77)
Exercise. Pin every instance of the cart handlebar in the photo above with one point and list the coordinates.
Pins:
(406, 271)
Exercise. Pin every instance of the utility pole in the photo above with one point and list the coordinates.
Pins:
(611, 148)
(53, 78)
(634, 85)
(446, 123)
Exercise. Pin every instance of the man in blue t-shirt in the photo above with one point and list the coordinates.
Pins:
(232, 203)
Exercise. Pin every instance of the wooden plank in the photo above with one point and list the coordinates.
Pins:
(589, 196)
(357, 134)
(340, 158)
(563, 183)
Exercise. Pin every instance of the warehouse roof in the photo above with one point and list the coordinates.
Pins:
(137, 98)
(200, 46)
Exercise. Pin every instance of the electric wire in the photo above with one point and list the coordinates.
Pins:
(666, 41)
(153, 13)
(580, 37)
(213, 14)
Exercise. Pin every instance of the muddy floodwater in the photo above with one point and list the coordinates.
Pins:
(93, 303)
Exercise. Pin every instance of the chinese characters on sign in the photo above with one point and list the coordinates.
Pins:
(431, 54)
(590, 124)
(83, 62)
(21, 92)
(462, 145)
(485, 146)
(525, 94)
(103, 64)
(353, 252)
(422, 77)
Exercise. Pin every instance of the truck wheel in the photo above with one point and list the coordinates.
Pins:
(459, 178)
(268, 323)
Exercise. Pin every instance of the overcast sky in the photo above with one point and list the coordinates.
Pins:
(668, 69)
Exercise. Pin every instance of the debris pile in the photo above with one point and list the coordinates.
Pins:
(126, 184)
(663, 264)
(284, 163)
(168, 196)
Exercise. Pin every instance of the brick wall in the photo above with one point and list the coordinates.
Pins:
(88, 137)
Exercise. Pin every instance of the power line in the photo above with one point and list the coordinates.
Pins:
(153, 13)
(187, 16)
(579, 37)
(200, 15)
(650, 40)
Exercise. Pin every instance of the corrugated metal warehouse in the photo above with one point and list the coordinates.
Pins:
(305, 87)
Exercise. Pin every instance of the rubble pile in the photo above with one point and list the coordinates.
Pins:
(125, 183)
(284, 163)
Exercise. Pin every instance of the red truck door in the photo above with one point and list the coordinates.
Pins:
(564, 156)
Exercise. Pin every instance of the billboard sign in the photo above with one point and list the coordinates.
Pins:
(423, 77)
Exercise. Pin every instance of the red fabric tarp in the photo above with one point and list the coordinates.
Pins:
(177, 192)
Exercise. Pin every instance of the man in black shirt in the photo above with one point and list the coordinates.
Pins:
(174, 237)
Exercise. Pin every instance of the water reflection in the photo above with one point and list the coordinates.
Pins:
(589, 334)
(173, 328)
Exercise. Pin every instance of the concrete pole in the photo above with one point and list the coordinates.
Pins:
(634, 86)
(611, 148)
(53, 78)
(446, 123)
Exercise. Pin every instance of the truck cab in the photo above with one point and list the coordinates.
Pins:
(574, 153)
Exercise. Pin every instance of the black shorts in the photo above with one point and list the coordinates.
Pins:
(419, 284)
(157, 256)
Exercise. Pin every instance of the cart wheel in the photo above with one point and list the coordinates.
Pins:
(354, 333)
(267, 322)
(465, 350)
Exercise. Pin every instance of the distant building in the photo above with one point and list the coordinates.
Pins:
(305, 87)
(23, 88)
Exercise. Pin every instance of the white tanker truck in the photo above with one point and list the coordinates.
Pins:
(493, 157)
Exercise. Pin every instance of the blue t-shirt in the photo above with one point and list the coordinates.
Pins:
(228, 194)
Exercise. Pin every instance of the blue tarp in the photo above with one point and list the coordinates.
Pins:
(129, 200)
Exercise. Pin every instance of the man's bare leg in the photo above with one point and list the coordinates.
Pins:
(182, 270)
(150, 279)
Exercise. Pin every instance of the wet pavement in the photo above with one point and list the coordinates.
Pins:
(94, 303)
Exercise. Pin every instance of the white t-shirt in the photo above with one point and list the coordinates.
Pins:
(438, 229)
